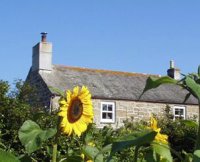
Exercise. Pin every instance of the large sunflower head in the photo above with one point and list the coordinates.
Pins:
(76, 111)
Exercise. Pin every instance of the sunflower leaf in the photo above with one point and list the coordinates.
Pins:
(92, 153)
(187, 97)
(162, 150)
(7, 157)
(190, 123)
(154, 82)
(150, 156)
(196, 156)
(194, 88)
(106, 148)
(26, 158)
(32, 136)
(144, 138)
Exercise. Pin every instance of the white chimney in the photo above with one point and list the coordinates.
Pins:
(42, 55)
(173, 72)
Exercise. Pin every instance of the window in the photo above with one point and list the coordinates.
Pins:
(108, 112)
(179, 112)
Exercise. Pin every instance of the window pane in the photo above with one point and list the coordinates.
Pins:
(109, 115)
(104, 115)
(178, 111)
(109, 107)
(104, 107)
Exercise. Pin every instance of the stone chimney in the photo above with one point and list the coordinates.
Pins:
(42, 55)
(173, 72)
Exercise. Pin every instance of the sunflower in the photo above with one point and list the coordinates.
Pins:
(76, 111)
(159, 137)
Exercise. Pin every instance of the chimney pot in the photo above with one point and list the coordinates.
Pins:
(43, 36)
(171, 64)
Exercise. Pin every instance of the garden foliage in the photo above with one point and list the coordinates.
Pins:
(29, 133)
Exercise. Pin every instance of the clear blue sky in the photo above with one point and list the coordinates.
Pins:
(126, 35)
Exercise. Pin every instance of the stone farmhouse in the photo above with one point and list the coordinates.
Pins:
(115, 94)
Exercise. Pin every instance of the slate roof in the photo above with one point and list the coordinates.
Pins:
(113, 85)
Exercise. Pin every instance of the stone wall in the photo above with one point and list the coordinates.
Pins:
(136, 111)
(43, 94)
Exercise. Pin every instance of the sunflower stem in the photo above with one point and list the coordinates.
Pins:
(54, 152)
(198, 134)
(55, 145)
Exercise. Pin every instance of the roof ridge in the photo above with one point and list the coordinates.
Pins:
(113, 72)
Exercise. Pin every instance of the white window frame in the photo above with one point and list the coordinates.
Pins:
(113, 112)
(179, 107)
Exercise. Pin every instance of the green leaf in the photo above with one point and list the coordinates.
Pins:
(32, 136)
(153, 82)
(199, 70)
(88, 137)
(135, 141)
(25, 158)
(149, 156)
(56, 91)
(194, 88)
(7, 157)
(189, 123)
(98, 158)
(163, 150)
(106, 148)
(187, 97)
(187, 157)
(92, 153)
(196, 156)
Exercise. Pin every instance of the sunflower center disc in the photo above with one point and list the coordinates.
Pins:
(75, 111)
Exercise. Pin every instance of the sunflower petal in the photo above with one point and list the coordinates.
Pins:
(76, 129)
(68, 94)
(62, 101)
(68, 129)
(159, 137)
(75, 91)
(62, 113)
